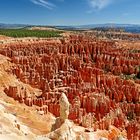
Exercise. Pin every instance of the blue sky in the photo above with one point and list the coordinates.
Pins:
(69, 12)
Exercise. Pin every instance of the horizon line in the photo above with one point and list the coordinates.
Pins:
(138, 24)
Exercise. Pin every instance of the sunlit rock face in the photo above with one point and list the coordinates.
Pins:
(64, 107)
(93, 74)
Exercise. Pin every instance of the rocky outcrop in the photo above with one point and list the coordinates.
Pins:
(97, 76)
(64, 107)
(64, 112)
(63, 129)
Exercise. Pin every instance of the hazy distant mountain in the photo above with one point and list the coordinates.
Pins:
(127, 27)
(12, 26)
(133, 28)
(109, 25)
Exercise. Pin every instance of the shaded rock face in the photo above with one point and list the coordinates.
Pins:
(93, 75)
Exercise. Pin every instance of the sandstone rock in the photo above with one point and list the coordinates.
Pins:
(92, 73)
(64, 107)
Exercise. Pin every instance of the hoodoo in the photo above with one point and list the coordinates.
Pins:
(83, 87)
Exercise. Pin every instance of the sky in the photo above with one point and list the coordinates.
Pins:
(69, 12)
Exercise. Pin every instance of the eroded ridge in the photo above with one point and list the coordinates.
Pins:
(99, 77)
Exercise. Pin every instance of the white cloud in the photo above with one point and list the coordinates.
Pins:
(43, 3)
(99, 4)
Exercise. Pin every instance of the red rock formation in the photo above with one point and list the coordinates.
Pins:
(88, 71)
